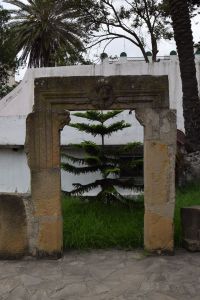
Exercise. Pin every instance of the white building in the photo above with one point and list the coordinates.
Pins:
(14, 108)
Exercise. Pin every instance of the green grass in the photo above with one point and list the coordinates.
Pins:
(97, 225)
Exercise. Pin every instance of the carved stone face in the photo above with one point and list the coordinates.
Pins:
(104, 94)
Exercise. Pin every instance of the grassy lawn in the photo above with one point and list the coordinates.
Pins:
(96, 225)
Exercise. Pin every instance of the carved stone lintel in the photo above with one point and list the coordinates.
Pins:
(103, 95)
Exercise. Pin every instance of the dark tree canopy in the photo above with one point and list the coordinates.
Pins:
(194, 2)
(184, 40)
(8, 53)
(45, 29)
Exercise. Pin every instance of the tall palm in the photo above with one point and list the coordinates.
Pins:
(184, 40)
(43, 28)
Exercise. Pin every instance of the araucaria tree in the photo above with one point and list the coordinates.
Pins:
(98, 159)
(45, 29)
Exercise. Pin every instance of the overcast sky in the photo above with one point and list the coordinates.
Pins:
(118, 46)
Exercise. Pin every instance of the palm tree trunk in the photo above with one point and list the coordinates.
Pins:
(184, 42)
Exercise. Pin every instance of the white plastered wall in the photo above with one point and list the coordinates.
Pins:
(20, 100)
(15, 175)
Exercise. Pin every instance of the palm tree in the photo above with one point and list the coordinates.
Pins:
(184, 40)
(43, 28)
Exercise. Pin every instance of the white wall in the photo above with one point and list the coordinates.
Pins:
(13, 131)
(15, 174)
(20, 100)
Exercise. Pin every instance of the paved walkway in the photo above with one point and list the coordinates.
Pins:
(103, 275)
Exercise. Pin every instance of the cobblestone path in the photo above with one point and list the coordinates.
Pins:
(103, 275)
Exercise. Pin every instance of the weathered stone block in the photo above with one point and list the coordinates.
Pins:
(50, 237)
(149, 96)
(158, 233)
(46, 192)
(190, 218)
(13, 227)
(156, 172)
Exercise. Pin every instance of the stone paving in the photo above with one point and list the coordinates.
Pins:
(103, 275)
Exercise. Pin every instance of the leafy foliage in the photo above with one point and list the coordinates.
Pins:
(8, 60)
(5, 89)
(100, 128)
(45, 30)
(108, 20)
(97, 159)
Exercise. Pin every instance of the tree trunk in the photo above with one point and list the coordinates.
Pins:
(184, 42)
(154, 48)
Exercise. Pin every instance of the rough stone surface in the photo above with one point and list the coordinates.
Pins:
(159, 177)
(103, 275)
(149, 95)
(190, 217)
(43, 152)
(157, 170)
(159, 233)
(13, 226)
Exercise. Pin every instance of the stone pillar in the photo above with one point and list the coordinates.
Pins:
(43, 152)
(159, 177)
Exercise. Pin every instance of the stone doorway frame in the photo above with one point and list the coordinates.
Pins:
(54, 98)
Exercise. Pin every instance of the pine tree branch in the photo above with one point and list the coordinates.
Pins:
(89, 147)
(132, 146)
(80, 161)
(80, 189)
(117, 126)
(80, 170)
(100, 129)
(105, 168)
(98, 116)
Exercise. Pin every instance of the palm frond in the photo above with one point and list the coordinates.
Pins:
(42, 28)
